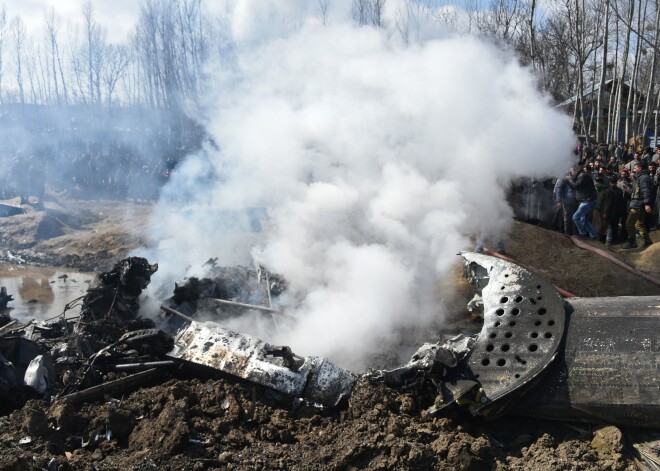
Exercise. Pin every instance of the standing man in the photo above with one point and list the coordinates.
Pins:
(654, 174)
(565, 204)
(618, 153)
(585, 193)
(641, 204)
(614, 208)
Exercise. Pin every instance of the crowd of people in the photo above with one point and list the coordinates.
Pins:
(86, 169)
(610, 195)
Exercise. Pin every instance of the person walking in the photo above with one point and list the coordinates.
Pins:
(585, 194)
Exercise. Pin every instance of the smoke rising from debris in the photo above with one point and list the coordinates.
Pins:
(367, 165)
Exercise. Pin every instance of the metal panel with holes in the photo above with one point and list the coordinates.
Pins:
(524, 319)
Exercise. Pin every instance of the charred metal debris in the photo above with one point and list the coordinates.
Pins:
(537, 354)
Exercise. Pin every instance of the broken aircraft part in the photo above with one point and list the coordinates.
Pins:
(591, 359)
(593, 341)
(431, 357)
(523, 325)
(116, 292)
(38, 373)
(596, 358)
(607, 368)
(312, 378)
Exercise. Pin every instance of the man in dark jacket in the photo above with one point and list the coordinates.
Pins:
(641, 203)
(614, 206)
(652, 219)
(585, 193)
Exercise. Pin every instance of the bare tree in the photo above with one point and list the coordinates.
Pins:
(603, 75)
(323, 9)
(369, 12)
(631, 104)
(503, 20)
(17, 31)
(114, 68)
(95, 46)
(52, 26)
(622, 78)
(410, 17)
(3, 35)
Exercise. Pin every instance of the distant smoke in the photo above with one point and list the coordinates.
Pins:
(369, 165)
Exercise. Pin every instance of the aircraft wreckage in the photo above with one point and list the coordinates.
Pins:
(538, 354)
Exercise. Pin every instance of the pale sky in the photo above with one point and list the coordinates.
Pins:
(117, 16)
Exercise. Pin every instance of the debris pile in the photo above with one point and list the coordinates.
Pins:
(542, 356)
(531, 358)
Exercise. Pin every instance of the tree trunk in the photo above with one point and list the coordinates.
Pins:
(622, 79)
(632, 116)
(603, 71)
(649, 89)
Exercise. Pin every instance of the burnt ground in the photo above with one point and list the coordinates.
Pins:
(221, 423)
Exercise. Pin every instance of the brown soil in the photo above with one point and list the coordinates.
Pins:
(79, 234)
(225, 424)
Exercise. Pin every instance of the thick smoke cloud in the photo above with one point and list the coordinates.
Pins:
(368, 165)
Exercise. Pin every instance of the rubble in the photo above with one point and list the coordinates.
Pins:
(108, 351)
(115, 293)
(314, 379)
(542, 356)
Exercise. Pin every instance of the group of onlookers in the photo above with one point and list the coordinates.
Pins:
(610, 195)
(89, 170)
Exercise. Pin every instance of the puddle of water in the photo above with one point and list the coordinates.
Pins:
(42, 292)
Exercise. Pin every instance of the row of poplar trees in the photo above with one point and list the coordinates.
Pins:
(599, 56)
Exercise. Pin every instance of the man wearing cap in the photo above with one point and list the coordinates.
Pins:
(585, 194)
(641, 204)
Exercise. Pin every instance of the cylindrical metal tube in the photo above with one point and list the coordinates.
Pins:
(607, 366)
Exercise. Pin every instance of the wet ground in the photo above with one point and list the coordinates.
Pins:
(41, 292)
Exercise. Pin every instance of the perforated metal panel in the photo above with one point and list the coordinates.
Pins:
(524, 319)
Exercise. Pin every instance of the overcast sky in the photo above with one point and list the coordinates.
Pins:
(117, 16)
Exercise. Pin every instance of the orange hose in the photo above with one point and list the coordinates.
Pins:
(487, 251)
(564, 293)
(614, 260)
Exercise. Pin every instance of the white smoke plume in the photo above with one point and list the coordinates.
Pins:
(374, 162)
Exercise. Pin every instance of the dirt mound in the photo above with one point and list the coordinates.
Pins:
(77, 234)
(583, 273)
(222, 424)
(24, 231)
(648, 260)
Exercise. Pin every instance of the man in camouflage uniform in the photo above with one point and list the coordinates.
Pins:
(641, 203)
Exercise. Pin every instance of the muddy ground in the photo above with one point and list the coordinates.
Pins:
(220, 423)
